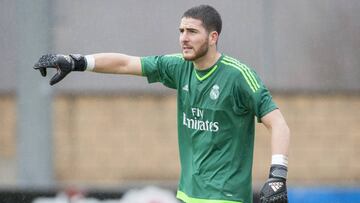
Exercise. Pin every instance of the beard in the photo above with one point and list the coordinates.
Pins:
(202, 51)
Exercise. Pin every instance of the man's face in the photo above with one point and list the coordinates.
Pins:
(194, 39)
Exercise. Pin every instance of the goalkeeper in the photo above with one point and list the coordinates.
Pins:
(218, 98)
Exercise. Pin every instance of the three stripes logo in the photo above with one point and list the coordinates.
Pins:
(245, 71)
(275, 186)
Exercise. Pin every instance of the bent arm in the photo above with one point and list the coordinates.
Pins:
(117, 63)
(280, 133)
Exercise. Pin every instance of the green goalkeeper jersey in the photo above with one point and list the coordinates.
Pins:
(216, 123)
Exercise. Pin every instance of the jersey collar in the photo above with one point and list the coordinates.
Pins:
(202, 75)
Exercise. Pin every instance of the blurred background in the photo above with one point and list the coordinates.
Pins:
(102, 135)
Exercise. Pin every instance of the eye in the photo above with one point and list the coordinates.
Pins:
(181, 30)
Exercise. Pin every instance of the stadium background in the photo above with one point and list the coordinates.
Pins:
(110, 132)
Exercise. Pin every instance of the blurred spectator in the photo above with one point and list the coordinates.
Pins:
(149, 195)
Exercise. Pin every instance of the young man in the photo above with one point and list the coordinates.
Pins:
(217, 100)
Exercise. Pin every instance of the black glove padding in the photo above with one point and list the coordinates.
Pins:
(64, 64)
(274, 189)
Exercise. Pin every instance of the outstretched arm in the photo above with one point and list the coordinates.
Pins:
(114, 63)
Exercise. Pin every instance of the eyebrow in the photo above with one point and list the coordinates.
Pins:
(189, 29)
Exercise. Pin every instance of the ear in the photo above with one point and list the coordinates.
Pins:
(213, 37)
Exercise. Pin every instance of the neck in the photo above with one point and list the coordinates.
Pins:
(207, 60)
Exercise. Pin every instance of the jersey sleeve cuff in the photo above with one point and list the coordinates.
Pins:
(270, 109)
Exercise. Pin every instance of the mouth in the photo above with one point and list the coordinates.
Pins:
(187, 48)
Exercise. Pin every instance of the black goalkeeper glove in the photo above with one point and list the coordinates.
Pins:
(274, 189)
(64, 64)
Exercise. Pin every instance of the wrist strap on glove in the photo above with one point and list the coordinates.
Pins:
(79, 62)
(278, 171)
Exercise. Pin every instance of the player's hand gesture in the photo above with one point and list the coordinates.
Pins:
(274, 189)
(64, 64)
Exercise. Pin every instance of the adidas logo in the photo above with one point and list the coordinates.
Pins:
(186, 88)
(276, 186)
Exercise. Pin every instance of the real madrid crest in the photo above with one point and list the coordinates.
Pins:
(215, 92)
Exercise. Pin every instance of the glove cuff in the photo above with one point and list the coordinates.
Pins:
(79, 62)
(278, 171)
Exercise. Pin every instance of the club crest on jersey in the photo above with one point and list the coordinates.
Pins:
(215, 92)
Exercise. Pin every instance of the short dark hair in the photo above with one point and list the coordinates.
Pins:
(210, 18)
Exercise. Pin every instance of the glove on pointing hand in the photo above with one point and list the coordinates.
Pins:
(64, 64)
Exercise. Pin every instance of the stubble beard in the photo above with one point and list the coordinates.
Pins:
(203, 50)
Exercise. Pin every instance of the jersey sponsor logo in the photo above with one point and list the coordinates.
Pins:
(215, 92)
(197, 122)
